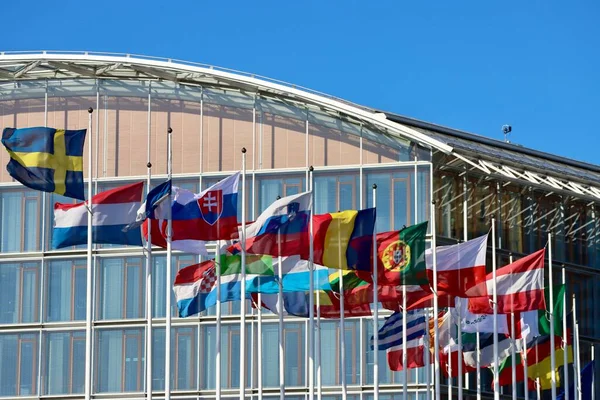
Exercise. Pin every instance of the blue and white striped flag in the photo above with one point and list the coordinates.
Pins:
(390, 334)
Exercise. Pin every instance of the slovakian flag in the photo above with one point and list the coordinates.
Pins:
(459, 267)
(282, 229)
(344, 240)
(112, 210)
(519, 287)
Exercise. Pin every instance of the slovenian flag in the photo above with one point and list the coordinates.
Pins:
(282, 229)
(112, 211)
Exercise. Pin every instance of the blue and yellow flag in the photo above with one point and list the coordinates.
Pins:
(47, 159)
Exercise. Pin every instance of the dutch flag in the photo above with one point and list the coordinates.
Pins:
(112, 211)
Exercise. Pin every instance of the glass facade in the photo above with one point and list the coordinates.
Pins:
(43, 292)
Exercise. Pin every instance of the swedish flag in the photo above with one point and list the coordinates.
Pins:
(47, 159)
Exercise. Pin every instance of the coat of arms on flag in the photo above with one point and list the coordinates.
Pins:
(211, 206)
(396, 256)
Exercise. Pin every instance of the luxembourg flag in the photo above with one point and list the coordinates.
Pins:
(112, 211)
(282, 229)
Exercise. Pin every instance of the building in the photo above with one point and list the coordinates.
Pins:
(214, 113)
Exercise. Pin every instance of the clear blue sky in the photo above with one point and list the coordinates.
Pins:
(471, 65)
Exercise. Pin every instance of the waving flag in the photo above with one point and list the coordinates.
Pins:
(519, 287)
(344, 240)
(281, 228)
(47, 159)
(415, 355)
(390, 334)
(150, 208)
(112, 210)
(459, 266)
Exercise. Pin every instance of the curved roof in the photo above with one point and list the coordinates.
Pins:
(506, 161)
(15, 66)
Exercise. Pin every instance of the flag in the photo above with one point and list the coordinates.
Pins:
(390, 334)
(449, 363)
(195, 288)
(153, 201)
(344, 240)
(210, 215)
(112, 210)
(47, 159)
(587, 381)
(286, 220)
(400, 257)
(519, 287)
(539, 362)
(482, 323)
(486, 348)
(297, 304)
(415, 355)
(535, 323)
(262, 273)
(459, 266)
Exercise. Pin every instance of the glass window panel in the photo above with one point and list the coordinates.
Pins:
(270, 355)
(294, 354)
(207, 352)
(65, 290)
(122, 284)
(395, 197)
(120, 360)
(19, 292)
(159, 281)
(20, 220)
(336, 193)
(269, 189)
(18, 364)
(64, 362)
(183, 358)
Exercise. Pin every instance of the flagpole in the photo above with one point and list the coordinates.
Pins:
(552, 352)
(376, 310)
(524, 359)
(149, 264)
(90, 269)
(564, 336)
(436, 328)
(450, 363)
(427, 356)
(168, 272)
(311, 297)
(495, 308)
(513, 343)
(478, 362)
(538, 388)
(218, 327)
(342, 324)
(259, 358)
(576, 352)
(243, 284)
(460, 353)
(280, 312)
(593, 375)
(318, 348)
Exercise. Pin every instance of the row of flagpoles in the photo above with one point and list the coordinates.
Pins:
(314, 340)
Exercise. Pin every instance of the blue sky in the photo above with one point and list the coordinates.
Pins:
(471, 65)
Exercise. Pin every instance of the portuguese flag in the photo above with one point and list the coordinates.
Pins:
(401, 256)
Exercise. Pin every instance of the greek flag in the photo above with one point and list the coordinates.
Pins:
(390, 334)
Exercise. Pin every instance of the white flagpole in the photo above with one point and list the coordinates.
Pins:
(218, 327)
(149, 266)
(342, 324)
(243, 284)
(90, 269)
(564, 337)
(375, 310)
(513, 344)
(460, 344)
(280, 324)
(576, 352)
(318, 349)
(436, 328)
(478, 362)
(450, 362)
(260, 384)
(311, 297)
(552, 352)
(524, 359)
(427, 356)
(538, 388)
(168, 273)
(495, 307)
(593, 375)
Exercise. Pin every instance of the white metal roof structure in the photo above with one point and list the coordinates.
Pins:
(494, 158)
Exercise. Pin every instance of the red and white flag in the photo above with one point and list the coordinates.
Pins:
(519, 287)
(459, 266)
(415, 355)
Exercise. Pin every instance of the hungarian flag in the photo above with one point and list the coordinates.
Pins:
(459, 267)
(519, 287)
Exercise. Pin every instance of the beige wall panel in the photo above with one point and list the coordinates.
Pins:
(24, 113)
(72, 113)
(329, 147)
(283, 142)
(226, 131)
(190, 138)
(375, 153)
